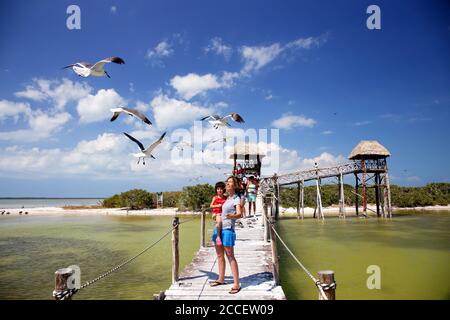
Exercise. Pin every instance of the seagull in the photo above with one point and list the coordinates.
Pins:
(131, 112)
(181, 144)
(196, 178)
(145, 152)
(218, 121)
(85, 69)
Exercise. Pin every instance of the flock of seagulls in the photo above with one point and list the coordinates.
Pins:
(86, 69)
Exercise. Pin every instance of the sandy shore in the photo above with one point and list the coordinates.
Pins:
(56, 211)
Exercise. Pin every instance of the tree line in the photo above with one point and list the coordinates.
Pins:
(194, 197)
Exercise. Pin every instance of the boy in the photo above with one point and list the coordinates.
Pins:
(216, 205)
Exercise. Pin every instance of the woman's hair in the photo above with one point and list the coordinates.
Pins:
(237, 184)
(219, 184)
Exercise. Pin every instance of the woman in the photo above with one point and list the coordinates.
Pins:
(231, 210)
(252, 190)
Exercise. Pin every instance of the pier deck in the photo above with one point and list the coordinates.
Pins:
(254, 258)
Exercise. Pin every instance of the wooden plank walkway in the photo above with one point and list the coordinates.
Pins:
(254, 258)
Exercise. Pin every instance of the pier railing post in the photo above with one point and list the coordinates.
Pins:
(61, 281)
(275, 258)
(202, 228)
(175, 250)
(327, 279)
(265, 223)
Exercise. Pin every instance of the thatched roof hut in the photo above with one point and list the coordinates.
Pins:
(369, 149)
(245, 150)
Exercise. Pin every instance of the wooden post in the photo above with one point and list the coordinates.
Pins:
(319, 200)
(327, 277)
(202, 229)
(175, 250)
(61, 280)
(266, 225)
(298, 200)
(364, 189)
(342, 196)
(356, 195)
(277, 197)
(388, 189)
(302, 196)
(273, 244)
(377, 193)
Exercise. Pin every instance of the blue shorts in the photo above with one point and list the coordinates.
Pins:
(228, 237)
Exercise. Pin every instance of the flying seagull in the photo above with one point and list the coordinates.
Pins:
(145, 152)
(85, 69)
(218, 121)
(181, 144)
(131, 112)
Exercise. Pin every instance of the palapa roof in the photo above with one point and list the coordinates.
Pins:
(242, 149)
(369, 149)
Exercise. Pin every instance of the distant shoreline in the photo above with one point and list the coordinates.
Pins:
(284, 212)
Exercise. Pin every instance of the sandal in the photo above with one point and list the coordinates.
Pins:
(234, 290)
(216, 283)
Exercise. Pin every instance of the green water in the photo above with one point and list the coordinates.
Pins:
(33, 248)
(411, 250)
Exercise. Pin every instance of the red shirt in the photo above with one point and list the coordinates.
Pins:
(217, 200)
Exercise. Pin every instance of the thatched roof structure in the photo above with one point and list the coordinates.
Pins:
(369, 149)
(251, 150)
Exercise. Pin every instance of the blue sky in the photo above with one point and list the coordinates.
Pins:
(311, 69)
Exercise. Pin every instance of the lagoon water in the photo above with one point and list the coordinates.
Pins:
(411, 250)
(12, 203)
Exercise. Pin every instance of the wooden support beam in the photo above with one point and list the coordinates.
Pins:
(298, 200)
(202, 228)
(175, 250)
(302, 197)
(275, 261)
(356, 195)
(341, 196)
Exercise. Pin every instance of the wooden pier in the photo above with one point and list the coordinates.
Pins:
(255, 260)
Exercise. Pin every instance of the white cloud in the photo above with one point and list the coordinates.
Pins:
(42, 125)
(289, 121)
(113, 9)
(217, 46)
(327, 132)
(362, 123)
(13, 109)
(160, 51)
(257, 57)
(96, 107)
(169, 112)
(308, 43)
(194, 84)
(58, 92)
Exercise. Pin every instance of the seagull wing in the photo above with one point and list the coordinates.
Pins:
(98, 66)
(236, 117)
(137, 114)
(115, 115)
(141, 146)
(154, 144)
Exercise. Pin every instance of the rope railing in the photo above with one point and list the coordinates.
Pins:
(66, 294)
